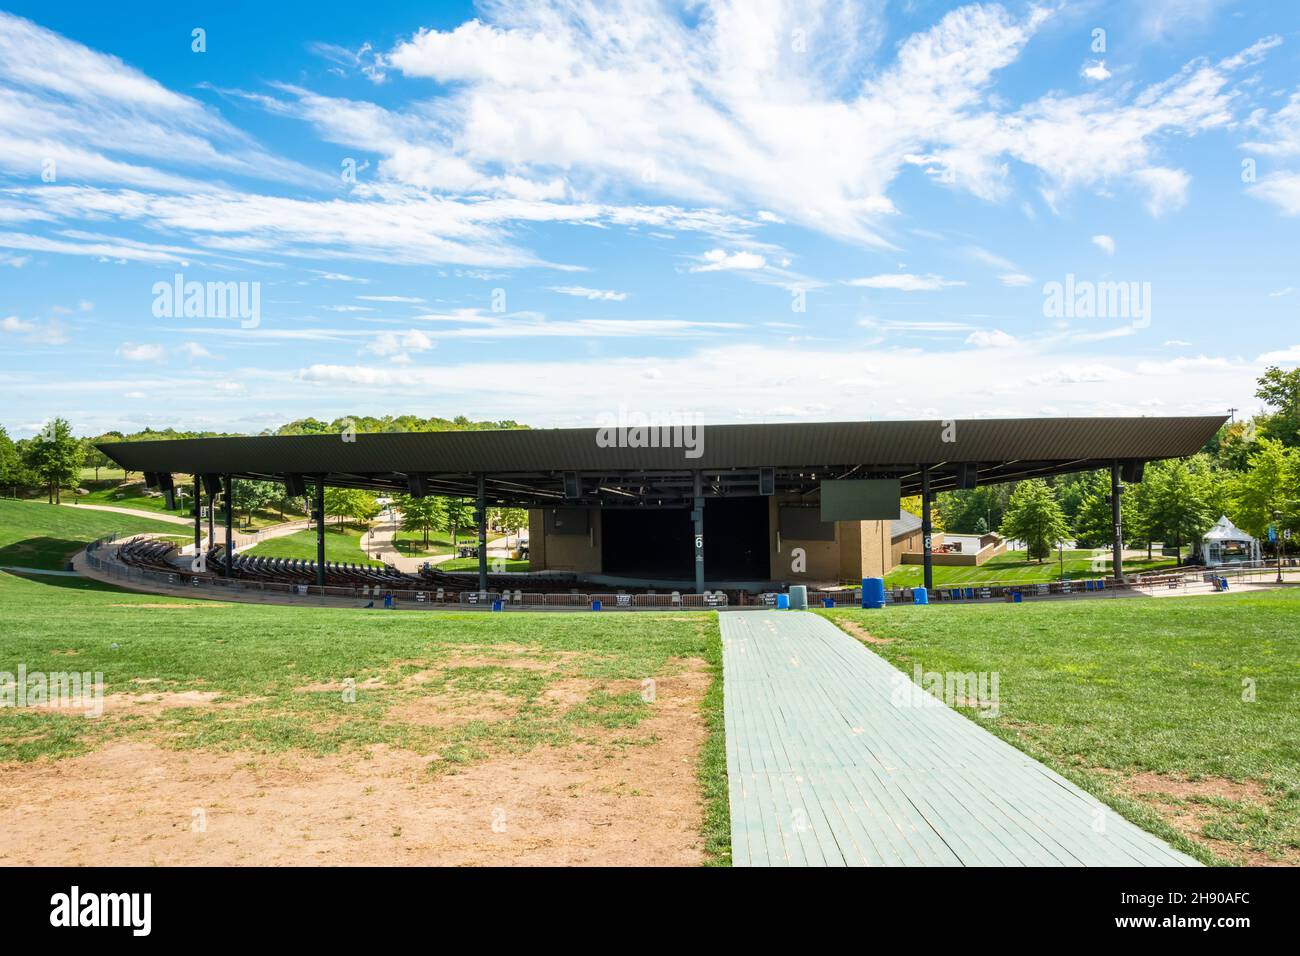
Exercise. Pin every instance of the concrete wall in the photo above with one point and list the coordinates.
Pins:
(564, 552)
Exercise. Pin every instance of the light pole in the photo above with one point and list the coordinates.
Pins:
(1277, 541)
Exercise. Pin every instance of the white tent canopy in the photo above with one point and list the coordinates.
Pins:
(1225, 543)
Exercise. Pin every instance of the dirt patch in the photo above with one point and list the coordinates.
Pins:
(1190, 806)
(138, 804)
(861, 633)
(450, 710)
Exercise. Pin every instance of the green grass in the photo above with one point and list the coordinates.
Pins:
(1106, 689)
(471, 564)
(34, 534)
(134, 496)
(1013, 567)
(341, 544)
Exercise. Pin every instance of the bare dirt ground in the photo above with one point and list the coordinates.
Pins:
(627, 798)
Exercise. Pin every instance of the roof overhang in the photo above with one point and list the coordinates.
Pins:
(528, 467)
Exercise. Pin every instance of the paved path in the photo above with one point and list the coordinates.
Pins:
(58, 574)
(835, 759)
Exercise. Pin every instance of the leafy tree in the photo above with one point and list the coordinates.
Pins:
(1178, 509)
(961, 511)
(1035, 517)
(55, 456)
(10, 464)
(1271, 484)
(1094, 519)
(1281, 392)
(92, 457)
(421, 515)
(1231, 447)
(510, 520)
(460, 514)
(913, 504)
(249, 496)
(353, 503)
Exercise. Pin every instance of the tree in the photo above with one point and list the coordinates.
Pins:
(459, 515)
(248, 496)
(55, 456)
(353, 503)
(10, 464)
(1094, 519)
(1281, 392)
(1178, 509)
(421, 515)
(510, 520)
(1034, 516)
(1271, 484)
(913, 503)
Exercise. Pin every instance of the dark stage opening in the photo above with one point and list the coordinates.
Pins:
(659, 542)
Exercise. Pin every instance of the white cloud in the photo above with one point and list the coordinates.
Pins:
(595, 295)
(990, 338)
(1278, 293)
(401, 343)
(193, 350)
(11, 323)
(1105, 243)
(142, 353)
(1015, 279)
(1280, 189)
(1096, 71)
(716, 260)
(391, 298)
(904, 282)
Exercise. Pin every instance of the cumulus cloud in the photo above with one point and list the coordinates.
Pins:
(1105, 243)
(142, 353)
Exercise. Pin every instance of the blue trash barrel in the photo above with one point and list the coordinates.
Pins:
(1223, 584)
(873, 592)
(1015, 597)
(782, 602)
(798, 597)
(828, 602)
(920, 596)
(595, 605)
(496, 605)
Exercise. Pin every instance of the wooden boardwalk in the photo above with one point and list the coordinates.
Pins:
(833, 760)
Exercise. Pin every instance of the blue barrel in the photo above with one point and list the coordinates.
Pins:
(1015, 597)
(1223, 584)
(496, 605)
(782, 602)
(873, 592)
(920, 596)
(828, 602)
(595, 605)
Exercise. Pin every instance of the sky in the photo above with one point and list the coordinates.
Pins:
(562, 212)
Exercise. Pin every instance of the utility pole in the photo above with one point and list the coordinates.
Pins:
(1232, 416)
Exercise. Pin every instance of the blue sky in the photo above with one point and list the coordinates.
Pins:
(749, 211)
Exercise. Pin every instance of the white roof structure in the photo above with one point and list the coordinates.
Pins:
(1225, 530)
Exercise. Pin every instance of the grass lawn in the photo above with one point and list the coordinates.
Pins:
(268, 681)
(471, 564)
(1140, 702)
(134, 496)
(34, 534)
(1012, 567)
(342, 543)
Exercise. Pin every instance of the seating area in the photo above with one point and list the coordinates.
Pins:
(148, 554)
(298, 571)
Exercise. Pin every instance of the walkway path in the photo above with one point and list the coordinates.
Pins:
(836, 758)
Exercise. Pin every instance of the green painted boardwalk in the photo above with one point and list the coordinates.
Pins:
(834, 759)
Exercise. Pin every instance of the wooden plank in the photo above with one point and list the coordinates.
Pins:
(833, 760)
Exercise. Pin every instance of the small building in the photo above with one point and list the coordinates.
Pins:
(1225, 543)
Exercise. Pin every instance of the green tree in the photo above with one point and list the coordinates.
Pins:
(1281, 392)
(1094, 520)
(460, 514)
(1035, 517)
(249, 496)
(421, 515)
(353, 503)
(10, 464)
(1179, 511)
(509, 520)
(55, 456)
(1271, 484)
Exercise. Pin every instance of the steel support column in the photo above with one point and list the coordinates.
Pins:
(697, 515)
(198, 516)
(229, 517)
(927, 528)
(320, 533)
(480, 520)
(1117, 522)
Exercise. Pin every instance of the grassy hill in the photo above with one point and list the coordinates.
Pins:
(1014, 567)
(34, 534)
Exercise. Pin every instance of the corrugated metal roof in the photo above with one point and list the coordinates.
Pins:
(806, 445)
(524, 463)
(906, 524)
